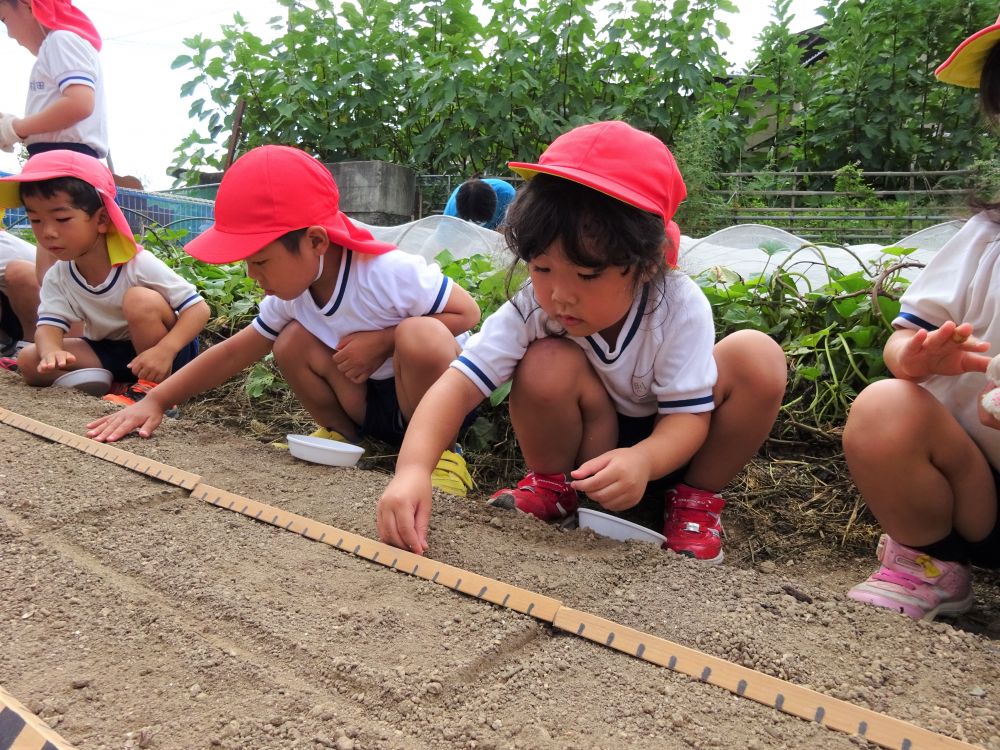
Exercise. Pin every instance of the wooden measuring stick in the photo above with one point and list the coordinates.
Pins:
(22, 730)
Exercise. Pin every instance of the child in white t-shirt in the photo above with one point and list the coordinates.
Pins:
(18, 296)
(65, 105)
(921, 449)
(359, 329)
(617, 379)
(140, 319)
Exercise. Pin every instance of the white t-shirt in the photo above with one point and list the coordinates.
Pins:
(372, 293)
(662, 362)
(13, 248)
(67, 297)
(961, 283)
(65, 59)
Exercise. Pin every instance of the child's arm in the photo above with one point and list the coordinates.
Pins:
(51, 354)
(209, 369)
(154, 363)
(916, 354)
(404, 509)
(461, 312)
(618, 478)
(75, 104)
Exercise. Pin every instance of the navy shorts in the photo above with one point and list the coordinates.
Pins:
(648, 511)
(115, 356)
(9, 323)
(984, 553)
(383, 418)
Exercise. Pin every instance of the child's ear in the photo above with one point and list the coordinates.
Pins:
(103, 220)
(317, 240)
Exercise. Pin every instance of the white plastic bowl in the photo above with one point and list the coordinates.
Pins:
(617, 528)
(93, 380)
(322, 451)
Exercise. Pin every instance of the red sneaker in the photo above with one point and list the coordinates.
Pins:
(133, 392)
(547, 497)
(693, 524)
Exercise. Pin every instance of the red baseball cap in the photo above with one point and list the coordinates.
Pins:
(49, 165)
(268, 192)
(621, 161)
(61, 15)
(964, 66)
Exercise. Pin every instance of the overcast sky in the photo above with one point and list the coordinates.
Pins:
(148, 118)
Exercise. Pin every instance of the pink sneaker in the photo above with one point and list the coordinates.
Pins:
(547, 497)
(693, 523)
(915, 584)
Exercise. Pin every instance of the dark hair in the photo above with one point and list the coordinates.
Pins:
(82, 195)
(476, 201)
(989, 105)
(989, 85)
(291, 239)
(596, 230)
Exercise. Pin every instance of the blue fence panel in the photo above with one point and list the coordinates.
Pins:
(143, 210)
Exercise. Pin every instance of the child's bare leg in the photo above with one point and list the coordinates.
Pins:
(149, 317)
(22, 291)
(27, 362)
(916, 467)
(424, 348)
(561, 412)
(330, 398)
(748, 393)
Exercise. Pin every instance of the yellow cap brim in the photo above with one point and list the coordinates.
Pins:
(964, 67)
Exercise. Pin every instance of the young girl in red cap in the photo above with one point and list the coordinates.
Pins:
(619, 389)
(65, 107)
(921, 448)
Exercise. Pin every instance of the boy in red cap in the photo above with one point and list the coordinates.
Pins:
(921, 448)
(140, 319)
(619, 389)
(359, 329)
(65, 108)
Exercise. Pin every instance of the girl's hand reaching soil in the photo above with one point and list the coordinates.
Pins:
(404, 512)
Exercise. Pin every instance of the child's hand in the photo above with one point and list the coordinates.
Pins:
(360, 354)
(404, 511)
(144, 415)
(8, 136)
(153, 364)
(950, 350)
(60, 359)
(615, 479)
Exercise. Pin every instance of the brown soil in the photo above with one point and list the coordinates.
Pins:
(133, 616)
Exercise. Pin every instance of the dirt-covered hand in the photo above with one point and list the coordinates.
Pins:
(57, 360)
(948, 350)
(404, 511)
(360, 354)
(143, 416)
(615, 479)
(153, 364)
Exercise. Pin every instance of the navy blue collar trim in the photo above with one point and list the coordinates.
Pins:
(640, 312)
(345, 274)
(83, 284)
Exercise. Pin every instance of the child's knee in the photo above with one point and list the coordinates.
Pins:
(878, 414)
(21, 278)
(552, 368)
(424, 339)
(753, 360)
(27, 365)
(143, 305)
